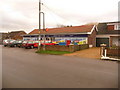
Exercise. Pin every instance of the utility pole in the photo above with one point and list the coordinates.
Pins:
(44, 30)
(40, 26)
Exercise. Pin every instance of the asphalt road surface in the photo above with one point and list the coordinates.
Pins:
(22, 68)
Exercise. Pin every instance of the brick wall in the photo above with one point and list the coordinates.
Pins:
(70, 48)
(110, 27)
(92, 38)
(113, 52)
(111, 41)
(56, 48)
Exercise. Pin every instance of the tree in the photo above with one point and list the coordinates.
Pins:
(61, 25)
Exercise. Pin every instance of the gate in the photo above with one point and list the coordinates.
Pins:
(102, 41)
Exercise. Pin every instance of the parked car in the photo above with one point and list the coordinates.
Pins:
(7, 42)
(36, 44)
(23, 44)
(11, 43)
(16, 43)
(48, 43)
(28, 44)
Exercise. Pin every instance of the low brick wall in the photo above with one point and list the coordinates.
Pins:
(56, 48)
(85, 46)
(70, 48)
(79, 47)
(76, 48)
(113, 52)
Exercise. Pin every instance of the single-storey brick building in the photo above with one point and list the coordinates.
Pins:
(84, 32)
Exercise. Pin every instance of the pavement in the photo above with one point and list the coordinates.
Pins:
(93, 53)
(23, 68)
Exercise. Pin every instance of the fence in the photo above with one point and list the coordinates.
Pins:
(70, 48)
(113, 52)
(110, 53)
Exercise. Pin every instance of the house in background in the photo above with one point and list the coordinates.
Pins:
(3, 36)
(108, 33)
(84, 32)
(16, 35)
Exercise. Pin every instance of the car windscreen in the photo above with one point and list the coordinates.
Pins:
(12, 41)
(36, 41)
(24, 41)
(30, 42)
(19, 41)
(5, 41)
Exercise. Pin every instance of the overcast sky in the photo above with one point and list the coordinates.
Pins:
(23, 14)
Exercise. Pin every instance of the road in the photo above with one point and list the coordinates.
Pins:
(22, 68)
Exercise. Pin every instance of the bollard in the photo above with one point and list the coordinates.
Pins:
(102, 50)
(105, 53)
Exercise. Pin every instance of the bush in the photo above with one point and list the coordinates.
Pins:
(115, 47)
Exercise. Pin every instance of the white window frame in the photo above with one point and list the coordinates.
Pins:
(116, 26)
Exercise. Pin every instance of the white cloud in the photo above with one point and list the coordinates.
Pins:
(23, 14)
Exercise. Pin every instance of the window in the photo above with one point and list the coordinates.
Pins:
(117, 27)
(113, 26)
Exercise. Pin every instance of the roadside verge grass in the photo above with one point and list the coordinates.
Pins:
(53, 52)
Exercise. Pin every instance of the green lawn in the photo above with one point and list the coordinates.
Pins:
(53, 52)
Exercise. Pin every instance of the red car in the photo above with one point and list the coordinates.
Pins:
(36, 44)
(28, 44)
(48, 43)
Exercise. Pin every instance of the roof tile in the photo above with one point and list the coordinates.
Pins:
(73, 29)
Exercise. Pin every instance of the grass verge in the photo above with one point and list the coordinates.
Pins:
(53, 52)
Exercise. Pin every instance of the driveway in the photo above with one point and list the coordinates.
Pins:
(93, 53)
(22, 68)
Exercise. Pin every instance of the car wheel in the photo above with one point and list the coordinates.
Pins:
(32, 47)
(15, 45)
